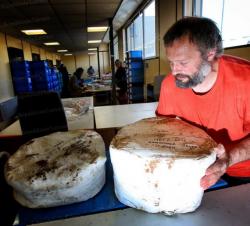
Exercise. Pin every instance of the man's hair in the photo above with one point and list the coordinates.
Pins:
(201, 31)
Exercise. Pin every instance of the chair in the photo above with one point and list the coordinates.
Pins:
(41, 113)
(157, 86)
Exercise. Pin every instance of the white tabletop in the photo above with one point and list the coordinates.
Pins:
(85, 121)
(116, 116)
(4, 99)
(225, 207)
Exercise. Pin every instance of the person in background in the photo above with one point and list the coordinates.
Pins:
(212, 91)
(91, 71)
(76, 83)
(65, 78)
(121, 82)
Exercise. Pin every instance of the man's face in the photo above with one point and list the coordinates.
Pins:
(186, 63)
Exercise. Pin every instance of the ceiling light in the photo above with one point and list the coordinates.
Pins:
(51, 43)
(34, 32)
(91, 53)
(96, 29)
(92, 49)
(68, 54)
(94, 41)
(62, 50)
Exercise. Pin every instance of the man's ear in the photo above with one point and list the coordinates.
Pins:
(211, 54)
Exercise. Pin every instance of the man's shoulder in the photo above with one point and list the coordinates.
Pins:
(235, 68)
(236, 62)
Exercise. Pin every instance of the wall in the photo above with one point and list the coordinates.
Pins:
(151, 69)
(42, 54)
(27, 51)
(104, 59)
(6, 87)
(121, 44)
(82, 59)
(240, 52)
(35, 49)
(69, 62)
(13, 42)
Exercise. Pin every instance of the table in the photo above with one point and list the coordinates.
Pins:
(116, 116)
(226, 207)
(104, 201)
(85, 121)
(102, 95)
(98, 89)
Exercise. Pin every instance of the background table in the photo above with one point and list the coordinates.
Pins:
(116, 116)
(85, 121)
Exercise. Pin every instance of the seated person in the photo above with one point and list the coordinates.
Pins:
(65, 78)
(76, 83)
(91, 71)
(121, 82)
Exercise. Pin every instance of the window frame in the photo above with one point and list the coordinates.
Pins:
(197, 11)
(131, 23)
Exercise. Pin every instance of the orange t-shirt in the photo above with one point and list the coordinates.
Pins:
(224, 111)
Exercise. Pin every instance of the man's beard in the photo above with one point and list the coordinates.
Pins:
(196, 78)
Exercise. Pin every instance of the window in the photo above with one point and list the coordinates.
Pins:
(149, 30)
(130, 37)
(141, 32)
(232, 18)
(138, 33)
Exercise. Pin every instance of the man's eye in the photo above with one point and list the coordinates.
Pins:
(184, 63)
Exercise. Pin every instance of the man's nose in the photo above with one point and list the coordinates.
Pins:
(175, 68)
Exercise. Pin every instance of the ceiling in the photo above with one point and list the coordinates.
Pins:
(65, 21)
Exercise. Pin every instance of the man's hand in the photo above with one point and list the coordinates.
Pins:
(217, 169)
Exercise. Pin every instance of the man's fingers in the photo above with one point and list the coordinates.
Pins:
(218, 166)
(209, 180)
(220, 151)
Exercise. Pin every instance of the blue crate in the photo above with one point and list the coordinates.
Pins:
(22, 85)
(135, 79)
(136, 93)
(134, 54)
(20, 65)
(40, 86)
(23, 90)
(40, 64)
(136, 75)
(41, 77)
(21, 74)
(22, 79)
(54, 78)
(136, 65)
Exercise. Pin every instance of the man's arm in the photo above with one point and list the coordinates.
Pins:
(236, 153)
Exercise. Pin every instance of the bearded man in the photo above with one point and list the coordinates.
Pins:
(210, 90)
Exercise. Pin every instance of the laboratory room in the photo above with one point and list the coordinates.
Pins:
(124, 112)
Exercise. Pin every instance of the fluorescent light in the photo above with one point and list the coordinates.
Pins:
(68, 54)
(92, 49)
(91, 53)
(34, 32)
(96, 29)
(51, 43)
(94, 41)
(62, 50)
